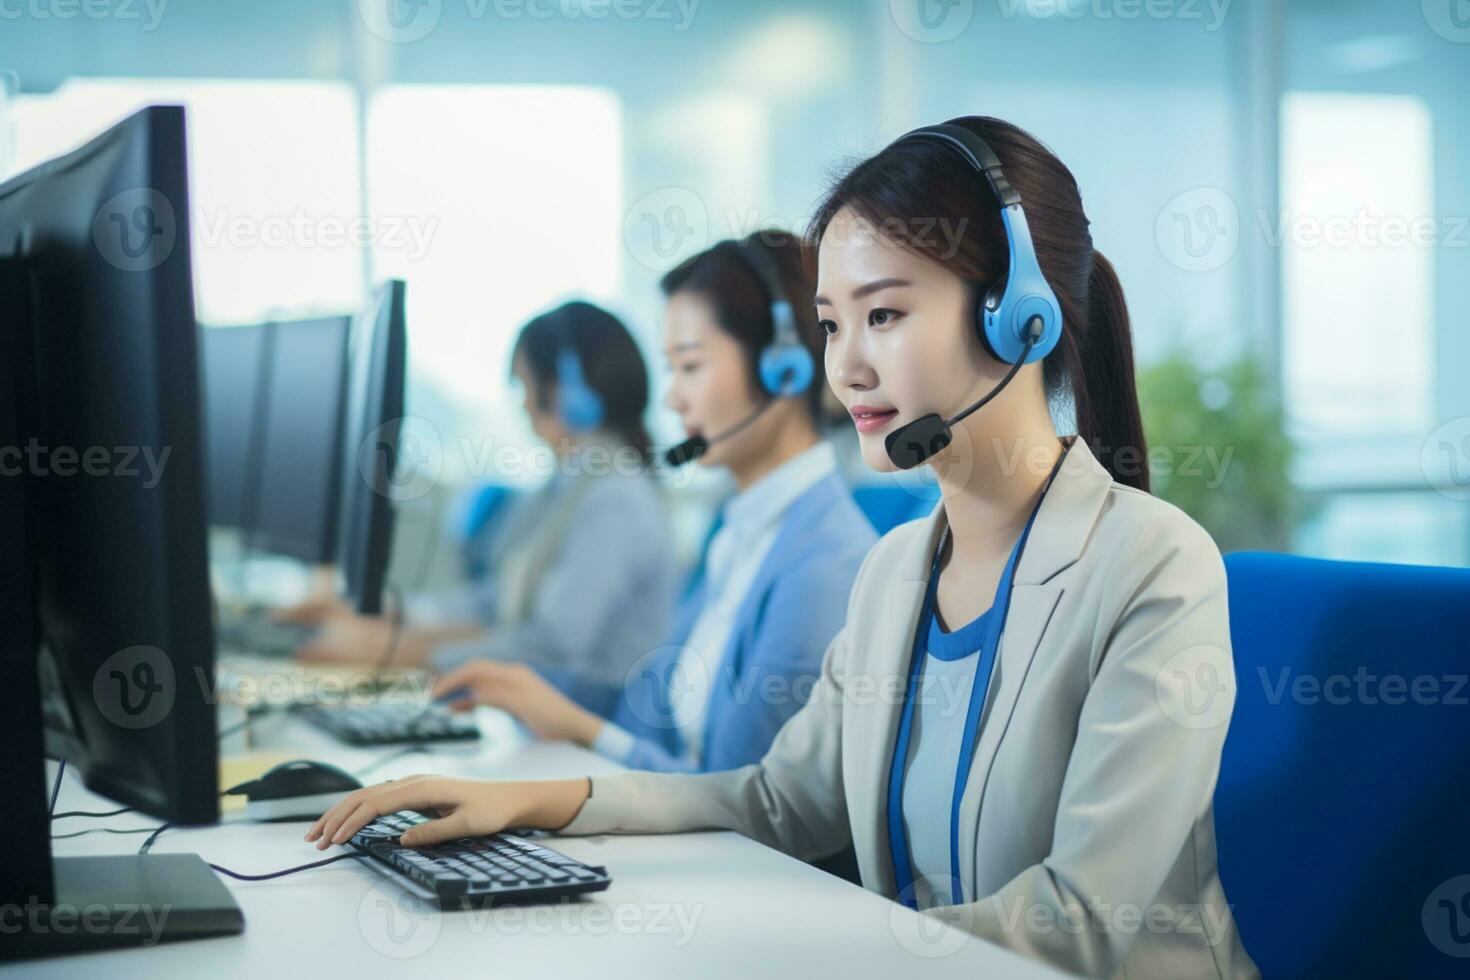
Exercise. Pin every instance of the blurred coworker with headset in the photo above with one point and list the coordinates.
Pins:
(582, 575)
(748, 642)
(1071, 773)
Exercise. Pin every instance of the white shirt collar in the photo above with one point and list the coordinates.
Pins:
(765, 502)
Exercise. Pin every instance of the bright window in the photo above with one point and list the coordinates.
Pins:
(273, 173)
(509, 199)
(1358, 231)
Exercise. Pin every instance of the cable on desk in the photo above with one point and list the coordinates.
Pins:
(289, 871)
(56, 790)
(148, 844)
(102, 830)
(91, 813)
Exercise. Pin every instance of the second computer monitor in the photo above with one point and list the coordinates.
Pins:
(276, 397)
(234, 382)
(301, 466)
(375, 383)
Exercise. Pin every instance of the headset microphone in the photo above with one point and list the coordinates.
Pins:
(695, 446)
(914, 442)
(686, 452)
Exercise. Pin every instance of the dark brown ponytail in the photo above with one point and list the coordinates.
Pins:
(1107, 400)
(929, 200)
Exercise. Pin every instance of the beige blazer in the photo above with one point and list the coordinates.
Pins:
(1087, 831)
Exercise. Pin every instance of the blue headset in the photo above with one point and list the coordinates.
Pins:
(1006, 318)
(786, 367)
(580, 407)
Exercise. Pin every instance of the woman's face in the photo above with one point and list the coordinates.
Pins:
(711, 387)
(899, 338)
(545, 423)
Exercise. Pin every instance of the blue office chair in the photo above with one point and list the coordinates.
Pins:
(472, 513)
(887, 505)
(1342, 817)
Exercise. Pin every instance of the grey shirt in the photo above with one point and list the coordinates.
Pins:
(603, 597)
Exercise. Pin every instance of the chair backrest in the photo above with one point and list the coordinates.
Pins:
(887, 505)
(1343, 805)
(475, 509)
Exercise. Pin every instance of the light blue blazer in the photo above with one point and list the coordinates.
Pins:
(795, 606)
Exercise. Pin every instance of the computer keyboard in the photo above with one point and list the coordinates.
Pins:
(252, 630)
(476, 871)
(391, 724)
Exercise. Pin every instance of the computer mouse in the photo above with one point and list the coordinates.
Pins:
(297, 790)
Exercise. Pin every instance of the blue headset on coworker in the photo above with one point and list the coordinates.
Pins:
(575, 576)
(580, 407)
(785, 366)
(772, 590)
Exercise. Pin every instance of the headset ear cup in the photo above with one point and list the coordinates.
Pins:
(786, 370)
(578, 405)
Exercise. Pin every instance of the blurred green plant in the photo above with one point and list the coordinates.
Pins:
(1218, 449)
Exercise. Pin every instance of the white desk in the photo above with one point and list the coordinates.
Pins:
(702, 905)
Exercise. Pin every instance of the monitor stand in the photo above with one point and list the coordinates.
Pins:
(121, 901)
(65, 905)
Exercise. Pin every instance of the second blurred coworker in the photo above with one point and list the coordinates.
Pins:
(581, 573)
(749, 639)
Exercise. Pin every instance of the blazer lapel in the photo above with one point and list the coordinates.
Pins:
(1063, 525)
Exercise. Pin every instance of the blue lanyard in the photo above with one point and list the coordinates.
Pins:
(898, 843)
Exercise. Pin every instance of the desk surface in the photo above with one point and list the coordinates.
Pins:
(716, 902)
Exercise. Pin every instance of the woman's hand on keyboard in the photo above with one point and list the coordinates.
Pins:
(520, 690)
(465, 808)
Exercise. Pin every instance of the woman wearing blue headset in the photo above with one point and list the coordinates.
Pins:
(748, 642)
(1020, 725)
(580, 576)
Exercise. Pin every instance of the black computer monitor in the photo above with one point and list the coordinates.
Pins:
(235, 382)
(98, 329)
(377, 365)
(300, 472)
